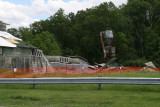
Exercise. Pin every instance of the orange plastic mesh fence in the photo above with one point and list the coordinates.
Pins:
(66, 71)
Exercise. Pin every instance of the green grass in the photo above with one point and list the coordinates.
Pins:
(153, 74)
(82, 95)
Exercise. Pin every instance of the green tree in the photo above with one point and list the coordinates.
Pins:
(25, 34)
(121, 45)
(39, 26)
(135, 26)
(136, 12)
(47, 43)
(14, 32)
(59, 25)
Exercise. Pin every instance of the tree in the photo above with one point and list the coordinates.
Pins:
(25, 34)
(46, 42)
(136, 11)
(59, 25)
(39, 26)
(121, 45)
(135, 26)
(14, 32)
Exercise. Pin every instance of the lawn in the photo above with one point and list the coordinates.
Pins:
(82, 95)
(147, 74)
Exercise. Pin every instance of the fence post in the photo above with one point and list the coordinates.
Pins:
(66, 69)
(82, 68)
(99, 85)
(46, 67)
(14, 71)
(34, 85)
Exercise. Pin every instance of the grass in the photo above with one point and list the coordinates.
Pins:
(153, 74)
(82, 95)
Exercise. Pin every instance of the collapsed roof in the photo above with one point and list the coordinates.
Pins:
(8, 40)
(5, 43)
(8, 36)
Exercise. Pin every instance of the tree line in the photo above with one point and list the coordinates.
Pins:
(135, 26)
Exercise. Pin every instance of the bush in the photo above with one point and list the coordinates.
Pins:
(135, 63)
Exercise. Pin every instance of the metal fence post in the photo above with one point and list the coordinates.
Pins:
(34, 86)
(99, 86)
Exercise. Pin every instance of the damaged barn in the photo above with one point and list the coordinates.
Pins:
(14, 53)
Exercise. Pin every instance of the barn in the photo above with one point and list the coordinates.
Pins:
(14, 53)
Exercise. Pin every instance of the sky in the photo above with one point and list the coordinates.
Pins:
(24, 12)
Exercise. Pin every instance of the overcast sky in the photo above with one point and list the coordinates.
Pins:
(24, 12)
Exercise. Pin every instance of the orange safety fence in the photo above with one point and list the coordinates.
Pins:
(67, 71)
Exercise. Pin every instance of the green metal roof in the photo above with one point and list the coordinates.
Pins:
(24, 45)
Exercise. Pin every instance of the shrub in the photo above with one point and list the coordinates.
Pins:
(135, 62)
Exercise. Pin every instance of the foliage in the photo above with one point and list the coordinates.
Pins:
(46, 42)
(135, 26)
(135, 62)
(14, 32)
(121, 44)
